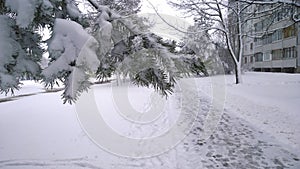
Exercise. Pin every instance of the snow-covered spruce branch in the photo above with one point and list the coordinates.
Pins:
(113, 16)
(75, 53)
(76, 59)
(141, 56)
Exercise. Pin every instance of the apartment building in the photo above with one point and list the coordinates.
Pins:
(275, 42)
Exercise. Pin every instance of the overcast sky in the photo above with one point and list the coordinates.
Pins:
(170, 15)
(162, 7)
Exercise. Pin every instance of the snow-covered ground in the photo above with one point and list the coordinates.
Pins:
(259, 128)
(270, 101)
(28, 87)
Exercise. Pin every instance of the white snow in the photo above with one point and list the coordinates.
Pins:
(104, 34)
(69, 40)
(25, 10)
(269, 101)
(27, 87)
(261, 122)
(73, 10)
(75, 52)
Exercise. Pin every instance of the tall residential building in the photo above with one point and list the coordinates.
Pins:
(274, 42)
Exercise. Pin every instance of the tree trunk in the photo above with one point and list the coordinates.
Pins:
(238, 73)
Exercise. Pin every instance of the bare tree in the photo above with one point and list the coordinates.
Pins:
(213, 15)
(231, 18)
(295, 15)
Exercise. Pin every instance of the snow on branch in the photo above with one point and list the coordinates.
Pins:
(25, 10)
(15, 61)
(271, 2)
(295, 3)
(73, 52)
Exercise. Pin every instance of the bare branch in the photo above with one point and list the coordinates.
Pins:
(271, 2)
(180, 30)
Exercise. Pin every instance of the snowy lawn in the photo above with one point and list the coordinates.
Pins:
(259, 129)
(28, 87)
(270, 101)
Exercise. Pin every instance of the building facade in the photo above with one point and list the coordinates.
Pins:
(275, 44)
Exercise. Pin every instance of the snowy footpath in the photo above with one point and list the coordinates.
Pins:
(259, 128)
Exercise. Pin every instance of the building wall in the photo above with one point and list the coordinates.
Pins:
(254, 60)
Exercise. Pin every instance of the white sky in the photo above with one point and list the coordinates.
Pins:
(160, 5)
(163, 8)
(170, 14)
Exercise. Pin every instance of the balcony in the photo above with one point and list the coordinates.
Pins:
(276, 63)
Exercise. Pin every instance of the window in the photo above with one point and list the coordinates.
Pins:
(260, 8)
(258, 57)
(279, 16)
(251, 59)
(267, 56)
(289, 31)
(277, 35)
(258, 27)
(267, 39)
(287, 11)
(289, 52)
(277, 54)
(251, 46)
(266, 22)
(245, 59)
(257, 41)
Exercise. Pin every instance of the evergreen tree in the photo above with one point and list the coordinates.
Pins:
(81, 46)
